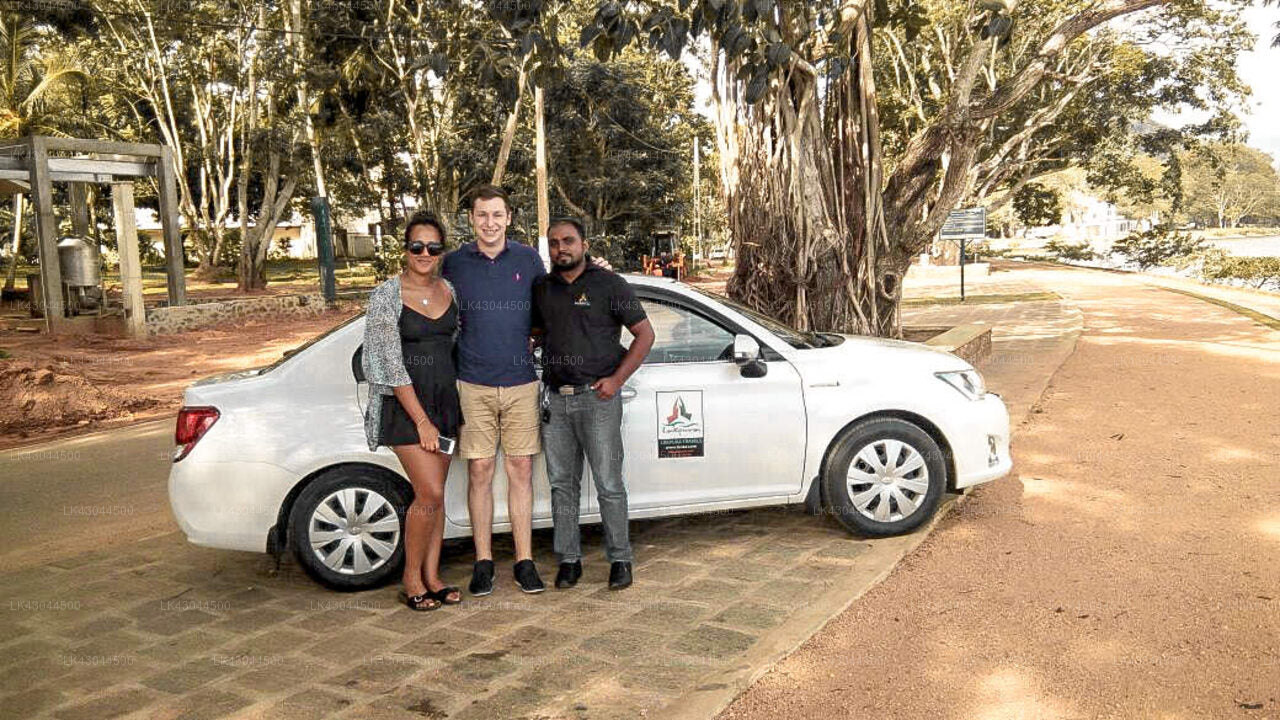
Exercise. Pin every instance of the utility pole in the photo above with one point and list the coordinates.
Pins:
(544, 205)
(697, 197)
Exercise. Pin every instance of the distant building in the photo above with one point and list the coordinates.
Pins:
(294, 237)
(1085, 217)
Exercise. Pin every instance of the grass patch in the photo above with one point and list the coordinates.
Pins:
(4, 354)
(983, 299)
(1238, 233)
(1260, 318)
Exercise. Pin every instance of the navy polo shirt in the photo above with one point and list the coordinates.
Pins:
(494, 303)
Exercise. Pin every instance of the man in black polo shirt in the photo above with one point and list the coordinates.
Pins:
(581, 309)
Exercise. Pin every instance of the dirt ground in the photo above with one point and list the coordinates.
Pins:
(55, 386)
(1129, 567)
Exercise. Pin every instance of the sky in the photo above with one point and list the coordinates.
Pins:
(1260, 69)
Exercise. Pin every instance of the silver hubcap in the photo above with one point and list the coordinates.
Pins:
(354, 531)
(887, 480)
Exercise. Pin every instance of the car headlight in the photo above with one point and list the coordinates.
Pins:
(968, 382)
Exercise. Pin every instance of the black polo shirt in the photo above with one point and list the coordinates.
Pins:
(582, 324)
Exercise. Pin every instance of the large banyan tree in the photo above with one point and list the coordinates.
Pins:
(848, 129)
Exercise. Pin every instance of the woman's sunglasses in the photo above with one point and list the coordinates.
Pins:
(433, 249)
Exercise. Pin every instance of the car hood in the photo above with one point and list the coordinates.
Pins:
(882, 355)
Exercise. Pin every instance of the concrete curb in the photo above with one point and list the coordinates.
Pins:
(971, 343)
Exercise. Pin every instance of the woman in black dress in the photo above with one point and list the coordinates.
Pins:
(418, 415)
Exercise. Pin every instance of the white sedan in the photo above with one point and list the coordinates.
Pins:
(730, 410)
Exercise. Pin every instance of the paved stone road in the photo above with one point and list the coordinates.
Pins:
(157, 628)
(171, 630)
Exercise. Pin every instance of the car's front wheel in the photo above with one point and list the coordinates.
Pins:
(346, 528)
(884, 477)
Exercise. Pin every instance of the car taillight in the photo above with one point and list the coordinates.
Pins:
(193, 423)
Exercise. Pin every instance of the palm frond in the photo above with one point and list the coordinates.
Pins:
(57, 72)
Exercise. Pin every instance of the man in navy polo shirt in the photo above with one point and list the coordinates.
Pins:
(496, 380)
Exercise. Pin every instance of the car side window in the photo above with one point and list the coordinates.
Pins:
(681, 335)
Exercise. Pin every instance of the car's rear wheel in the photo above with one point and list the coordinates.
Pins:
(884, 477)
(346, 528)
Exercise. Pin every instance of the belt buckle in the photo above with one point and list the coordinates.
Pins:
(566, 390)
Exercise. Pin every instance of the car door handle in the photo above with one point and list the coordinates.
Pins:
(627, 392)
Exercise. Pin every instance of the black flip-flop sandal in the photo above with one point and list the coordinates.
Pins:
(420, 603)
(442, 595)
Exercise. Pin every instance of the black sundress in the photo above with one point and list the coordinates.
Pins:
(428, 358)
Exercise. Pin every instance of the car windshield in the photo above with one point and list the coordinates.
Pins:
(801, 339)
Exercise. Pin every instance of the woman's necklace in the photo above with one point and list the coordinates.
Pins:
(425, 289)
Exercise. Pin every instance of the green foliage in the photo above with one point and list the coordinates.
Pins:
(1037, 205)
(279, 249)
(1157, 246)
(623, 163)
(1064, 250)
(38, 83)
(1257, 272)
(387, 256)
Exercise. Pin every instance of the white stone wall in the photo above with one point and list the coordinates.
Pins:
(166, 320)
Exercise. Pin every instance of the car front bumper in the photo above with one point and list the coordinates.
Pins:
(980, 445)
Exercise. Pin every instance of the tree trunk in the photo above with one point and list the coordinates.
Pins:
(255, 244)
(802, 179)
(252, 273)
(509, 132)
(245, 267)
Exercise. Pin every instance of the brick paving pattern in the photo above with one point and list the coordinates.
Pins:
(168, 629)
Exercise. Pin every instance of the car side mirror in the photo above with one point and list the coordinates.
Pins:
(357, 364)
(746, 353)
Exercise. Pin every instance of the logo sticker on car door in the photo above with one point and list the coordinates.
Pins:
(680, 424)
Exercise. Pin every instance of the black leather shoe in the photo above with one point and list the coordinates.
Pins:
(619, 575)
(482, 578)
(569, 574)
(527, 577)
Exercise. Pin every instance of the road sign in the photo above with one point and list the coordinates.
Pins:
(964, 224)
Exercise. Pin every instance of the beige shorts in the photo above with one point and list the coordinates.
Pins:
(499, 414)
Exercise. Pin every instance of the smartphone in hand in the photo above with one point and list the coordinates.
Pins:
(447, 444)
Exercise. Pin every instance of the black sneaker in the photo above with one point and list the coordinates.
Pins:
(569, 574)
(619, 575)
(527, 577)
(482, 578)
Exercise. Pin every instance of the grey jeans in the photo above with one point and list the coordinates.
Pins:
(585, 424)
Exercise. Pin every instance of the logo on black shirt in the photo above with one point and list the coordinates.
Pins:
(581, 300)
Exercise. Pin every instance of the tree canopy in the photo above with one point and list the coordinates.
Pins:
(844, 130)
(1227, 182)
(849, 129)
